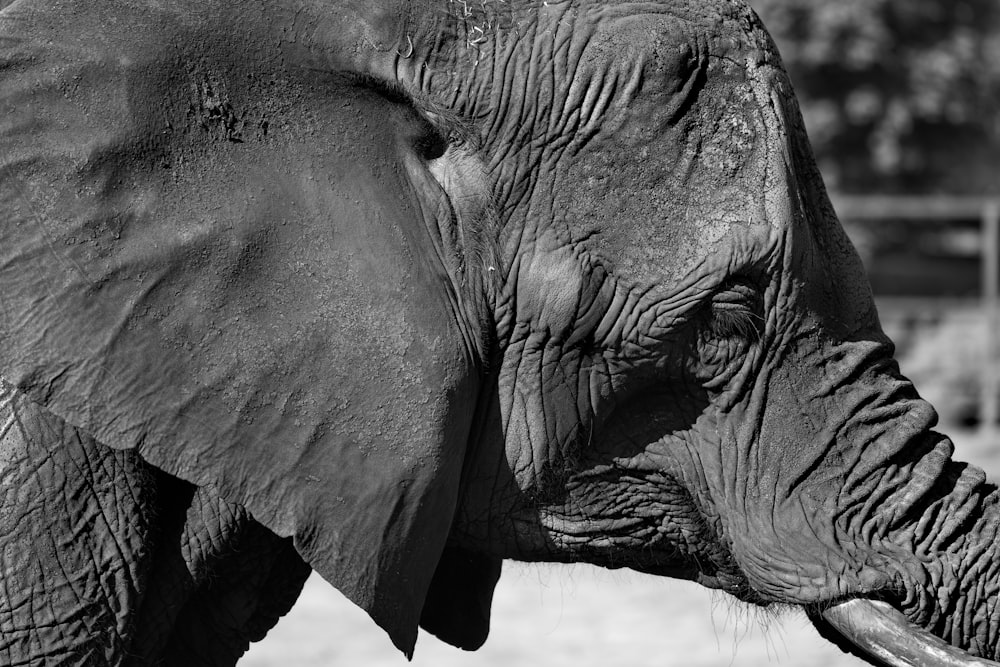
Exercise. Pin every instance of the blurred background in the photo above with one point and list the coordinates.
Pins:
(902, 102)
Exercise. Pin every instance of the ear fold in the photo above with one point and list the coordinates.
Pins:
(220, 260)
(457, 608)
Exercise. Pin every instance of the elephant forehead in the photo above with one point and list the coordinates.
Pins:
(542, 80)
(526, 67)
(685, 168)
(633, 124)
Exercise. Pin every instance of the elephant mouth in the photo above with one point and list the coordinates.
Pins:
(883, 635)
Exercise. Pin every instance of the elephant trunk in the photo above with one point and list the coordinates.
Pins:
(947, 609)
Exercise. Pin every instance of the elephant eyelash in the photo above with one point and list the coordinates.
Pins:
(735, 311)
(390, 90)
(729, 322)
(457, 130)
(431, 144)
(445, 127)
(436, 141)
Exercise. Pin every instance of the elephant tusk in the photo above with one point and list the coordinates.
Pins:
(882, 632)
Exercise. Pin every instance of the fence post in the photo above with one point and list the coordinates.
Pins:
(990, 390)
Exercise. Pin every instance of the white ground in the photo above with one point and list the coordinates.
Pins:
(576, 616)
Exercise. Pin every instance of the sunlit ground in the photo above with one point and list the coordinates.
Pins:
(577, 616)
(560, 616)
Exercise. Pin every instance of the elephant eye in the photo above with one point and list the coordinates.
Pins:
(431, 143)
(736, 311)
(428, 139)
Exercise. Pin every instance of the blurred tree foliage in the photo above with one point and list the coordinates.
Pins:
(898, 95)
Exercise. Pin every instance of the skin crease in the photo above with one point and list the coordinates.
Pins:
(704, 423)
(398, 290)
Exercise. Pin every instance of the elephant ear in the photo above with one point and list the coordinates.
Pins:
(458, 605)
(221, 260)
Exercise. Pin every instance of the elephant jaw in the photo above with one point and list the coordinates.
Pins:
(882, 633)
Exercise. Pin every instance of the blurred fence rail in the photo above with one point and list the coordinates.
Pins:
(871, 209)
(892, 207)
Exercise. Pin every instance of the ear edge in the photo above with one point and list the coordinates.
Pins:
(458, 604)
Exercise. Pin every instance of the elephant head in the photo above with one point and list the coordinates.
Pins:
(426, 285)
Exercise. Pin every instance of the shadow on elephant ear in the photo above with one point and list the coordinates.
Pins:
(457, 607)
(458, 604)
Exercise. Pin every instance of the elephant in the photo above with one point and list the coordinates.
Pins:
(395, 290)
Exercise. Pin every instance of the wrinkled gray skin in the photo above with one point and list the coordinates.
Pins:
(543, 281)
